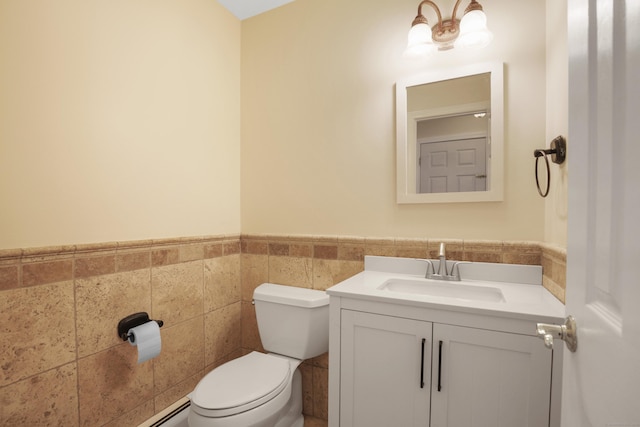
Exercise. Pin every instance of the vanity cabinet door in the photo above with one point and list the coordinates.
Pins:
(489, 379)
(385, 367)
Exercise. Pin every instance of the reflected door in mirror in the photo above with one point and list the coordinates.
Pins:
(453, 152)
(453, 166)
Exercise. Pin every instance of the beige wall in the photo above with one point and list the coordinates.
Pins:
(318, 121)
(557, 107)
(119, 120)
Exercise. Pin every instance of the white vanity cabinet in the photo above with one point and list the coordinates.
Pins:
(408, 351)
(404, 372)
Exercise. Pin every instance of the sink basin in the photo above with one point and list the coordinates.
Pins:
(433, 288)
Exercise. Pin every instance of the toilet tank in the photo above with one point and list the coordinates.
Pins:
(292, 321)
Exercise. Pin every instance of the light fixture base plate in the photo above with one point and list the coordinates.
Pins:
(444, 35)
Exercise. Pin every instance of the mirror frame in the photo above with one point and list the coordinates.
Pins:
(405, 183)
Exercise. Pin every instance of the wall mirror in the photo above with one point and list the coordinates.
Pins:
(450, 128)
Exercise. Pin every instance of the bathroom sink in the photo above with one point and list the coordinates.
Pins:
(434, 288)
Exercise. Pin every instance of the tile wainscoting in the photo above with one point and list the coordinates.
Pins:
(62, 363)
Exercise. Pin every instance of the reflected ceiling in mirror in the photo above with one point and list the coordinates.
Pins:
(450, 136)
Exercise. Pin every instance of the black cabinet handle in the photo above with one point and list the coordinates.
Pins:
(422, 364)
(439, 365)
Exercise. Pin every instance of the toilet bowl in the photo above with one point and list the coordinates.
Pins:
(265, 390)
(253, 390)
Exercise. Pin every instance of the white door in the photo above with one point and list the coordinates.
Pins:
(601, 380)
(453, 165)
(488, 378)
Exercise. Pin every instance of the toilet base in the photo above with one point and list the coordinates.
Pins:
(290, 414)
(293, 417)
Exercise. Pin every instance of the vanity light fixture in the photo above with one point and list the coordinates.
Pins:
(470, 32)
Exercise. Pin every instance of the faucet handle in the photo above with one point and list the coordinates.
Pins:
(429, 264)
(455, 268)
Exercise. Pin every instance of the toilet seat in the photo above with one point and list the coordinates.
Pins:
(240, 385)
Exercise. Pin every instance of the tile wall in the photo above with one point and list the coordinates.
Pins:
(62, 363)
(554, 266)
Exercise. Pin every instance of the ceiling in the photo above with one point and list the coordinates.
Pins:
(244, 9)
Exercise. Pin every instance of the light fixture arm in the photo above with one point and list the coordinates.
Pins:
(420, 19)
(455, 9)
(474, 5)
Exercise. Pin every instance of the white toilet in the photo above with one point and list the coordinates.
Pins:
(265, 390)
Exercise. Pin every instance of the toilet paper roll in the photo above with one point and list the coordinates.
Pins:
(147, 338)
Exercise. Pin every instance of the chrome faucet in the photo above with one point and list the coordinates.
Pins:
(443, 273)
(442, 267)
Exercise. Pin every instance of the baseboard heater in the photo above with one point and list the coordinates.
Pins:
(174, 416)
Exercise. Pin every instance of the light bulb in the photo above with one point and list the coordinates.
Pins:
(420, 41)
(474, 31)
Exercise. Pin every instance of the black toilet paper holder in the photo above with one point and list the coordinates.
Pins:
(133, 320)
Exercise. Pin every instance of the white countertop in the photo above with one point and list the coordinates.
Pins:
(527, 301)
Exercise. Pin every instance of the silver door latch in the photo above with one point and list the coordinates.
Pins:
(567, 333)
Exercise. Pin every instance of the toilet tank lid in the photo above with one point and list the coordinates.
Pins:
(290, 295)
